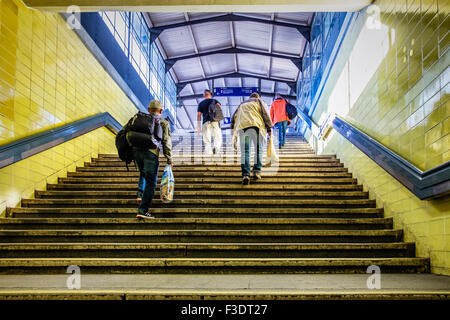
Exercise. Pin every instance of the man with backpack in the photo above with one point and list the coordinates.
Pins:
(280, 118)
(210, 110)
(148, 134)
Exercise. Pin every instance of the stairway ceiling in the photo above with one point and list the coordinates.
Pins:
(217, 35)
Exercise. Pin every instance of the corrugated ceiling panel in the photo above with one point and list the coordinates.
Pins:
(218, 64)
(282, 68)
(232, 82)
(252, 35)
(187, 91)
(235, 101)
(163, 18)
(188, 69)
(259, 15)
(302, 18)
(219, 82)
(177, 42)
(212, 36)
(282, 88)
(287, 41)
(267, 85)
(203, 15)
(254, 64)
(250, 82)
(199, 87)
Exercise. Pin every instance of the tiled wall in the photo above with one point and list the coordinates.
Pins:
(49, 78)
(392, 81)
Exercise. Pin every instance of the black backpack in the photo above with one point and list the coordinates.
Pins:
(124, 149)
(291, 110)
(215, 112)
(145, 131)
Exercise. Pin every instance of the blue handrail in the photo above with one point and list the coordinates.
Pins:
(29, 146)
(424, 184)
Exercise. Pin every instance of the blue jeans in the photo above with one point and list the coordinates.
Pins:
(282, 127)
(248, 136)
(148, 164)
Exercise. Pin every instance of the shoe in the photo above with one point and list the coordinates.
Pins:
(257, 176)
(145, 215)
(245, 180)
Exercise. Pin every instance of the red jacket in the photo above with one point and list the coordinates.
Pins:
(278, 111)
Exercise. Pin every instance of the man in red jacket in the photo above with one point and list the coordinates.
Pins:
(279, 117)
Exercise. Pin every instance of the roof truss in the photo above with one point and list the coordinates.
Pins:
(305, 31)
(171, 61)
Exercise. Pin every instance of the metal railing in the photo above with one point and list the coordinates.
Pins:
(29, 146)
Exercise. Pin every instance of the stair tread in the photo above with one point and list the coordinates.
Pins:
(210, 261)
(200, 246)
(200, 220)
(24, 232)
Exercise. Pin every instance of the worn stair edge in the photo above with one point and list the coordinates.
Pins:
(262, 221)
(211, 295)
(205, 233)
(180, 186)
(207, 246)
(213, 265)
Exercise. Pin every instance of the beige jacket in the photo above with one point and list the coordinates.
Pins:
(251, 113)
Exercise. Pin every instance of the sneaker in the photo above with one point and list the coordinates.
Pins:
(145, 215)
(245, 180)
(257, 175)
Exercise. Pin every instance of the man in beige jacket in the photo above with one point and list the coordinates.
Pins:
(251, 123)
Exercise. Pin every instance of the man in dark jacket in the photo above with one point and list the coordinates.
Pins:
(147, 162)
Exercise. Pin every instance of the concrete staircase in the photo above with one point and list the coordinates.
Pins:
(309, 216)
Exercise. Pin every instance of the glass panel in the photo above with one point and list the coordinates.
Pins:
(146, 60)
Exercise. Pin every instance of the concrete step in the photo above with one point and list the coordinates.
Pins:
(240, 203)
(206, 250)
(236, 157)
(207, 187)
(340, 173)
(237, 181)
(117, 223)
(202, 194)
(200, 236)
(219, 162)
(323, 167)
(212, 265)
(184, 212)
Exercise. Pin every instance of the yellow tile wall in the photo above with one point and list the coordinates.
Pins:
(405, 105)
(427, 223)
(49, 78)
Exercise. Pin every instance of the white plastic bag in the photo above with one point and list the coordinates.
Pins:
(167, 185)
(271, 157)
